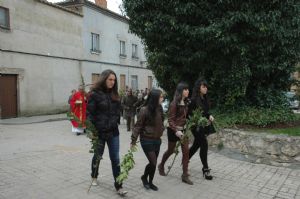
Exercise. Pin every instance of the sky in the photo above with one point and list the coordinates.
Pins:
(111, 4)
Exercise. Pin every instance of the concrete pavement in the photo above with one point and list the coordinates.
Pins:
(33, 119)
(45, 160)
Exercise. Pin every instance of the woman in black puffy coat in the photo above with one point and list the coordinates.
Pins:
(103, 110)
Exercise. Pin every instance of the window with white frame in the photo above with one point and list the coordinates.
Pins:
(4, 18)
(122, 49)
(95, 43)
(134, 51)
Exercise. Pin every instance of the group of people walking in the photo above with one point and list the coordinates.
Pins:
(103, 110)
(150, 128)
(131, 104)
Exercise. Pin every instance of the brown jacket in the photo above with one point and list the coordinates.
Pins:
(147, 130)
(177, 116)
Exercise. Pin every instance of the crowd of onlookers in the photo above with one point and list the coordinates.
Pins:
(131, 103)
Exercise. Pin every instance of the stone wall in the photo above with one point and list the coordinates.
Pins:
(264, 147)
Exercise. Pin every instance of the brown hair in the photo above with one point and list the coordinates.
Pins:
(101, 84)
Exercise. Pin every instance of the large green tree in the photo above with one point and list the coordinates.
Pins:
(246, 49)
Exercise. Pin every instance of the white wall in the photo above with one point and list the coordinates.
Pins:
(89, 68)
(111, 31)
(46, 83)
(46, 33)
(40, 29)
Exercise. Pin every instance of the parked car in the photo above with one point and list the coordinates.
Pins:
(292, 99)
(165, 105)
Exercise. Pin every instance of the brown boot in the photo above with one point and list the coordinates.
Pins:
(185, 179)
(161, 170)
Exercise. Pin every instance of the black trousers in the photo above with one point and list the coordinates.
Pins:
(200, 141)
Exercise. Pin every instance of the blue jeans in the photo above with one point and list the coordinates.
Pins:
(113, 144)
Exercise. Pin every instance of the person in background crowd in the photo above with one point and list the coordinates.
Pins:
(139, 103)
(70, 97)
(78, 108)
(130, 109)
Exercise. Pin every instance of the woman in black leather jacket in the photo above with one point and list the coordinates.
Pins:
(200, 100)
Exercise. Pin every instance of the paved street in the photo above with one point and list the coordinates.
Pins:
(45, 160)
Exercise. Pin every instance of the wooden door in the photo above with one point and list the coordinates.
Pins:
(8, 96)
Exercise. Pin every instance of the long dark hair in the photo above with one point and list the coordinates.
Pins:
(196, 90)
(152, 105)
(178, 93)
(101, 84)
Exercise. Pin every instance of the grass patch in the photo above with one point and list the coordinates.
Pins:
(261, 118)
(294, 131)
(275, 121)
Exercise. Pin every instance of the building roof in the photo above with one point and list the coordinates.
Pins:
(60, 7)
(94, 6)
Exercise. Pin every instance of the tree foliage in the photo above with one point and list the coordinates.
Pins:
(246, 50)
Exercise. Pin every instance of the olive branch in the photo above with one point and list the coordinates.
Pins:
(92, 133)
(127, 164)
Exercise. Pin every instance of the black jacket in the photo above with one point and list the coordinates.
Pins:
(204, 105)
(104, 113)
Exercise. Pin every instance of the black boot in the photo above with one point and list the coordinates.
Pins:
(153, 187)
(145, 182)
(161, 170)
(206, 174)
(185, 178)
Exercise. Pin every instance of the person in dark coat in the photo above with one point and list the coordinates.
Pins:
(103, 111)
(150, 127)
(130, 109)
(200, 100)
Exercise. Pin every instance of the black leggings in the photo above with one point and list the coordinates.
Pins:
(200, 141)
(151, 151)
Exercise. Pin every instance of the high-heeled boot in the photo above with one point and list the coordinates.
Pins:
(206, 173)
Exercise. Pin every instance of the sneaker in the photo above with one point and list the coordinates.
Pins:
(94, 182)
(121, 192)
(77, 134)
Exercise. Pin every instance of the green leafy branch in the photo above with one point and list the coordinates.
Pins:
(127, 164)
(91, 130)
(92, 133)
(196, 119)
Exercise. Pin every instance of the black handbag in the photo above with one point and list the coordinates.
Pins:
(210, 129)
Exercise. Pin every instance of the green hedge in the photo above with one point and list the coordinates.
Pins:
(261, 117)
